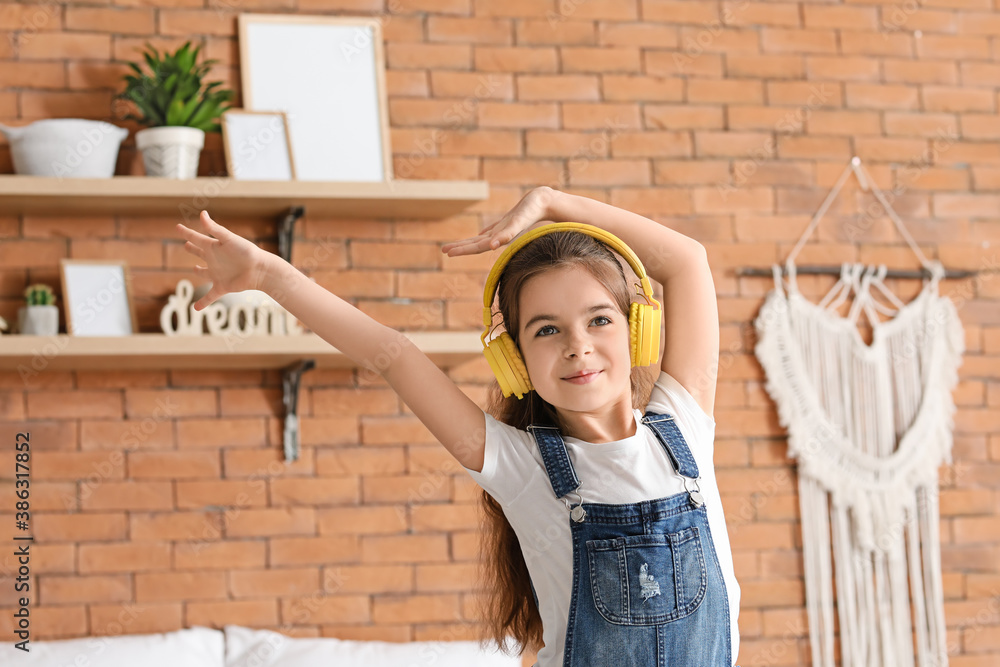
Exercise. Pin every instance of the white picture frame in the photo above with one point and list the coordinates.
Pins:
(257, 145)
(98, 297)
(328, 74)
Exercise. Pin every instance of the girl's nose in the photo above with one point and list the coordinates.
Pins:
(578, 344)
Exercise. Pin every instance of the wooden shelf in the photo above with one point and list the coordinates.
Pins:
(159, 351)
(185, 198)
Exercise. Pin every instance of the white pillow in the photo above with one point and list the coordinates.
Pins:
(191, 647)
(262, 648)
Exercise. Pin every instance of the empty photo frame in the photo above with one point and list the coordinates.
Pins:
(98, 298)
(328, 74)
(257, 145)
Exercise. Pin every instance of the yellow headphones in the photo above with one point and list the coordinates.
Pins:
(644, 320)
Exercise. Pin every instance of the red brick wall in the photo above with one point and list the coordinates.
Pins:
(148, 524)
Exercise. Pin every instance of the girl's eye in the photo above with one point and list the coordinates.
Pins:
(549, 326)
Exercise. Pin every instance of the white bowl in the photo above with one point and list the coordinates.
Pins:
(65, 147)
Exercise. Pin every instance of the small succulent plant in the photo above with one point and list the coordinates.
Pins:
(39, 295)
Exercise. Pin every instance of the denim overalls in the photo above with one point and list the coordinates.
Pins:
(647, 586)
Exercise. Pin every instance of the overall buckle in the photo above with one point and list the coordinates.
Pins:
(695, 494)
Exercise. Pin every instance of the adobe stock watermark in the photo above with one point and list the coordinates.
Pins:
(542, 540)
(360, 41)
(457, 115)
(913, 169)
(39, 17)
(257, 481)
(919, 341)
(427, 315)
(254, 146)
(989, 268)
(250, 319)
(745, 169)
(100, 639)
(776, 651)
(436, 478)
(99, 299)
(694, 47)
(91, 138)
(249, 149)
(896, 17)
(138, 432)
(595, 149)
(565, 9)
(41, 357)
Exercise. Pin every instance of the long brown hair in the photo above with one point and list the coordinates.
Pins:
(509, 608)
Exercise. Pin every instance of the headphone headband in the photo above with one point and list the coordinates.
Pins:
(522, 240)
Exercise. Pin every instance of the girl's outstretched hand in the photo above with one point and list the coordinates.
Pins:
(233, 263)
(532, 208)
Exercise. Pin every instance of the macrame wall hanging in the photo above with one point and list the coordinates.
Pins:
(869, 425)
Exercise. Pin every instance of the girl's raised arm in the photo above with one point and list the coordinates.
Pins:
(234, 264)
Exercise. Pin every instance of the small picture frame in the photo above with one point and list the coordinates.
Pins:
(257, 145)
(97, 295)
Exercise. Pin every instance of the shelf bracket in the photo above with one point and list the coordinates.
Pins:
(291, 378)
(286, 231)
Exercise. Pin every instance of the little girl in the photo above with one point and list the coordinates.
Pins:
(605, 536)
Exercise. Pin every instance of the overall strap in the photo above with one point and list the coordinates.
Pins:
(665, 427)
(557, 464)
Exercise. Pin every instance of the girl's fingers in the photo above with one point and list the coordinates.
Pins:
(491, 225)
(194, 250)
(457, 249)
(485, 232)
(192, 235)
(483, 241)
(208, 299)
(469, 247)
(482, 245)
(211, 225)
(457, 244)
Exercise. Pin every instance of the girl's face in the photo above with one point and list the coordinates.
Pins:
(570, 323)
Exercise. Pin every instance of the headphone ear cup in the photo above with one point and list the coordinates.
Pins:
(644, 332)
(508, 366)
(494, 355)
(513, 356)
(647, 326)
(655, 323)
(634, 326)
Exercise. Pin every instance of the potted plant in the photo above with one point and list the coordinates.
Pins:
(40, 317)
(177, 108)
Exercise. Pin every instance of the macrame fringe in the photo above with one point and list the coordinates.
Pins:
(875, 511)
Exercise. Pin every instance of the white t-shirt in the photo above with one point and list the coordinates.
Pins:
(624, 471)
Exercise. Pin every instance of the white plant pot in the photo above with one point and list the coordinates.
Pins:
(38, 320)
(170, 151)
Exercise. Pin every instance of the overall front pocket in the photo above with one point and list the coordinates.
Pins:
(648, 579)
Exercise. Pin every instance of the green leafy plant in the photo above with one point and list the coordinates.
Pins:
(39, 295)
(173, 93)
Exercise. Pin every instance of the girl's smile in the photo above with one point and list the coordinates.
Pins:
(584, 379)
